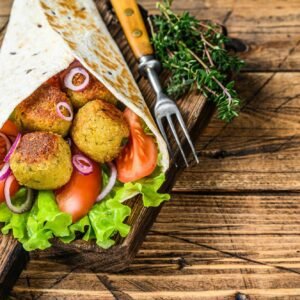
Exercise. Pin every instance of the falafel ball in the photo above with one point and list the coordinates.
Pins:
(42, 161)
(99, 130)
(39, 113)
(94, 91)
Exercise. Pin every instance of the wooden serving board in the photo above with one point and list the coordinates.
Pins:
(196, 112)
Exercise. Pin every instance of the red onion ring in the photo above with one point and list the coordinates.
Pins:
(26, 206)
(5, 171)
(110, 184)
(68, 81)
(82, 164)
(68, 108)
(13, 148)
(7, 141)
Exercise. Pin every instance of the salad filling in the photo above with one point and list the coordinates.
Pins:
(71, 156)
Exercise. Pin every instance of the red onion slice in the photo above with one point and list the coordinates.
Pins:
(110, 184)
(65, 105)
(26, 206)
(13, 148)
(5, 171)
(7, 141)
(68, 81)
(82, 164)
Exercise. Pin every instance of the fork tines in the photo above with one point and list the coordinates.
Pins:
(168, 116)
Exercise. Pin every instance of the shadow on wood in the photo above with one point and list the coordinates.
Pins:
(12, 261)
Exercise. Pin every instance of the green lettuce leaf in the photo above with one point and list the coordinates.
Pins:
(37, 228)
(107, 219)
(82, 226)
(148, 187)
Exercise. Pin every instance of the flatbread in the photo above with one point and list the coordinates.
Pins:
(45, 36)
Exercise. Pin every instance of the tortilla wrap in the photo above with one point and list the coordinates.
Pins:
(45, 36)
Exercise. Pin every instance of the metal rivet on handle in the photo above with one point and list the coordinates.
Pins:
(128, 12)
(137, 33)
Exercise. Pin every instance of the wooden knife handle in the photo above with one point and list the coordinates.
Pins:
(133, 26)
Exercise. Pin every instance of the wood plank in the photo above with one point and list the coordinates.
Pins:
(270, 30)
(197, 238)
(272, 35)
(5, 6)
(256, 254)
(210, 6)
(258, 150)
(3, 21)
(12, 262)
(267, 51)
(260, 294)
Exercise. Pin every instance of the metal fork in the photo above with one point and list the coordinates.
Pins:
(136, 33)
(165, 108)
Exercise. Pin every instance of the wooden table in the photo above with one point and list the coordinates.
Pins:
(232, 229)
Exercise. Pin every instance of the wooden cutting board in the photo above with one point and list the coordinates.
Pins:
(196, 112)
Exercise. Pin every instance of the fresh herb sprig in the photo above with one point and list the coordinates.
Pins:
(193, 51)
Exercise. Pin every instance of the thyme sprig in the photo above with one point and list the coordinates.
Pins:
(193, 51)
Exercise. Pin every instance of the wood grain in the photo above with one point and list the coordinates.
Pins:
(217, 246)
(13, 259)
(236, 229)
(258, 150)
(271, 31)
(5, 6)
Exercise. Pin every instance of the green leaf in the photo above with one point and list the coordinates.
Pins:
(82, 226)
(194, 53)
(5, 214)
(36, 229)
(107, 219)
(148, 187)
(39, 240)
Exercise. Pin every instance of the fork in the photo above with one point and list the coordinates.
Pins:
(165, 108)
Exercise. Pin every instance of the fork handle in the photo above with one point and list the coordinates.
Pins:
(133, 26)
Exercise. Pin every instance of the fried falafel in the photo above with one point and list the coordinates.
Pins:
(42, 161)
(94, 91)
(39, 111)
(100, 131)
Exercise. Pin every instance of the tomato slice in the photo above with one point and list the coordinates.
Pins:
(11, 131)
(13, 189)
(3, 152)
(139, 157)
(10, 128)
(79, 195)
